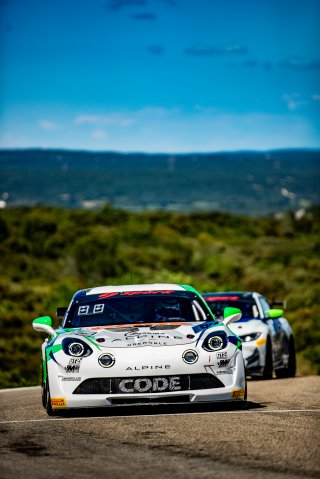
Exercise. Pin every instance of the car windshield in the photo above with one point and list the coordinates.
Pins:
(134, 309)
(247, 307)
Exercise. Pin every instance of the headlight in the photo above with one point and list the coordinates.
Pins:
(190, 356)
(76, 347)
(215, 341)
(106, 360)
(250, 337)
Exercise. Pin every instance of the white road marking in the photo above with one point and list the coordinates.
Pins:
(27, 388)
(270, 411)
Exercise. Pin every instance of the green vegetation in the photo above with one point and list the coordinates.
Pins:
(46, 254)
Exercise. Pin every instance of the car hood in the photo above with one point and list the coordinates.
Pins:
(124, 336)
(247, 327)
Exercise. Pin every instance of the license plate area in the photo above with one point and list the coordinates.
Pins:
(149, 384)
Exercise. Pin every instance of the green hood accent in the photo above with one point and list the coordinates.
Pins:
(54, 349)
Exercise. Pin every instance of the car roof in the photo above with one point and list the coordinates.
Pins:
(135, 287)
(224, 295)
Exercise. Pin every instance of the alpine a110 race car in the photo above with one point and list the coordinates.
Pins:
(140, 344)
(267, 338)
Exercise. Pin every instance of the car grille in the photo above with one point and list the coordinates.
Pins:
(188, 382)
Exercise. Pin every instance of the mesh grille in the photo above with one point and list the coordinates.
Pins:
(188, 382)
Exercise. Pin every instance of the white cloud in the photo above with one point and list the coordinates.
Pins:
(125, 119)
(48, 125)
(117, 119)
(99, 134)
(293, 100)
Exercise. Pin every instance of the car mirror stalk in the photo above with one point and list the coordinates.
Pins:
(44, 324)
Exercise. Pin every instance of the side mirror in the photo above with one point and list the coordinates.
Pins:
(230, 315)
(274, 313)
(43, 324)
(61, 313)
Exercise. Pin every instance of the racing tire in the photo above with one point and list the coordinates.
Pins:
(268, 367)
(48, 406)
(290, 371)
(43, 390)
(44, 395)
(292, 365)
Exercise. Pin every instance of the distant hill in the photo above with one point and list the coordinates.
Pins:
(251, 183)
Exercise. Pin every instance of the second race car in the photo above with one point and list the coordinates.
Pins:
(267, 338)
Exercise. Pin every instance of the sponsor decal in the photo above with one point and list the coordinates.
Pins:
(223, 363)
(135, 334)
(70, 378)
(238, 393)
(148, 343)
(135, 368)
(147, 334)
(224, 371)
(134, 293)
(222, 355)
(58, 403)
(222, 298)
(84, 333)
(74, 365)
(144, 385)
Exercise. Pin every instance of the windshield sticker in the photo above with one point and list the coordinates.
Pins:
(134, 293)
(83, 310)
(222, 298)
(87, 309)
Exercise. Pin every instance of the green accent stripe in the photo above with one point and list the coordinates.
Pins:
(44, 370)
(188, 288)
(200, 298)
(55, 348)
(92, 342)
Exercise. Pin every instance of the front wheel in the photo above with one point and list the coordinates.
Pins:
(290, 371)
(43, 389)
(48, 406)
(292, 366)
(268, 367)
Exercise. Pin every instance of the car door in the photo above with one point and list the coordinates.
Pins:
(276, 332)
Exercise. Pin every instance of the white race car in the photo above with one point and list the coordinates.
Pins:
(140, 344)
(268, 342)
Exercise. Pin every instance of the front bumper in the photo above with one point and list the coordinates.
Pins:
(254, 358)
(227, 383)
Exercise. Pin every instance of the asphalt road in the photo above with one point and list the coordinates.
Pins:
(278, 437)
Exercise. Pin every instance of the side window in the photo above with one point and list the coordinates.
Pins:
(264, 304)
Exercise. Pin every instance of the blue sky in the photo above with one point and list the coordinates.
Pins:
(160, 75)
